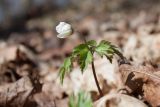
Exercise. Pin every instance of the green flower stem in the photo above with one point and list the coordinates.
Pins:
(94, 72)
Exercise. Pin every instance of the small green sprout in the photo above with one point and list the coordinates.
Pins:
(83, 54)
(82, 100)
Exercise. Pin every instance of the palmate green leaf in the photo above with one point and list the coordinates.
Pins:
(105, 48)
(85, 58)
(84, 55)
(82, 100)
(92, 43)
(68, 64)
(66, 67)
(79, 48)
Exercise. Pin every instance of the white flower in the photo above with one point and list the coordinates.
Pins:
(64, 30)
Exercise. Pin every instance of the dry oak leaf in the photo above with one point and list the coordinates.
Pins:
(16, 94)
(142, 80)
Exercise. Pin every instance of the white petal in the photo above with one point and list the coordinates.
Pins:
(64, 30)
(65, 34)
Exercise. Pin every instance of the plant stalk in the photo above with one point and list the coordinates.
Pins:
(96, 80)
(94, 72)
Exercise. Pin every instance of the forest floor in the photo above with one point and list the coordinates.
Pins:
(30, 61)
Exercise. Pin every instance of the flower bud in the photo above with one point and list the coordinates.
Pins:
(64, 30)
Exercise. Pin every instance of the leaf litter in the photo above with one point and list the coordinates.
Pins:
(30, 63)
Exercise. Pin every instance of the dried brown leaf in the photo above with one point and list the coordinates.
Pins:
(16, 94)
(142, 80)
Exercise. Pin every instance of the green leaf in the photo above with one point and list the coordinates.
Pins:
(61, 74)
(79, 48)
(92, 43)
(82, 100)
(72, 102)
(66, 67)
(86, 58)
(68, 64)
(105, 48)
(84, 55)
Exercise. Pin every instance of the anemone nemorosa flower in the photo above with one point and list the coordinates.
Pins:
(64, 30)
